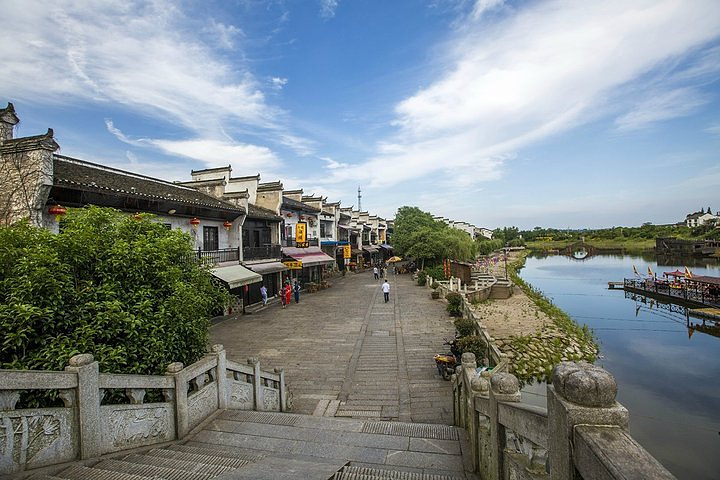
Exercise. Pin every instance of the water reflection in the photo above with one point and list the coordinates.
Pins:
(662, 355)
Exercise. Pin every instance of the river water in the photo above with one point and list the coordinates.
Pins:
(668, 375)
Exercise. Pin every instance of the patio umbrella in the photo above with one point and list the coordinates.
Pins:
(394, 259)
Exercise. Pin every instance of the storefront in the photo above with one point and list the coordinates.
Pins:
(237, 279)
(272, 275)
(312, 260)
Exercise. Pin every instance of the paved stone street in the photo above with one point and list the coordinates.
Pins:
(347, 353)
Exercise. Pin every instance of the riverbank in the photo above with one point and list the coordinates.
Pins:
(535, 334)
(603, 245)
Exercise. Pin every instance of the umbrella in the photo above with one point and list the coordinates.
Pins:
(394, 259)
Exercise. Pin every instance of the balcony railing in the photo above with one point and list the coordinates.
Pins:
(290, 242)
(219, 256)
(258, 253)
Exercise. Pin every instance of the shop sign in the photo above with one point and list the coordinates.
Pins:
(301, 235)
(293, 265)
(347, 251)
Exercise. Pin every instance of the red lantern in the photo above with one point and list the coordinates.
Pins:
(58, 211)
(194, 222)
(227, 225)
(288, 215)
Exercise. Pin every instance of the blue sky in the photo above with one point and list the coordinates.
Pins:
(558, 113)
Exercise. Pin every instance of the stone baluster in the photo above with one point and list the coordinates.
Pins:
(180, 398)
(88, 403)
(581, 393)
(8, 399)
(257, 383)
(283, 390)
(221, 375)
(504, 387)
(135, 395)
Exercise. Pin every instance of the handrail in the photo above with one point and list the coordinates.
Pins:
(37, 380)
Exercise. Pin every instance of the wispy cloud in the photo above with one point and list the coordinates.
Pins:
(481, 7)
(278, 83)
(661, 106)
(713, 129)
(327, 8)
(543, 70)
(150, 57)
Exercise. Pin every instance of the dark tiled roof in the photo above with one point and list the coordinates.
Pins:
(259, 212)
(290, 204)
(269, 186)
(73, 173)
(45, 141)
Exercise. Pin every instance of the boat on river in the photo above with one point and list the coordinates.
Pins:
(677, 287)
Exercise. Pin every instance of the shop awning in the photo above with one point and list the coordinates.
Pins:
(267, 267)
(236, 275)
(386, 246)
(309, 257)
(370, 248)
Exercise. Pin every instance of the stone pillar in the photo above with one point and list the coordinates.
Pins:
(180, 399)
(581, 393)
(284, 407)
(468, 371)
(221, 374)
(257, 383)
(504, 387)
(480, 386)
(88, 404)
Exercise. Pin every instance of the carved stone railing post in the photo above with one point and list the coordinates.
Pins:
(221, 375)
(283, 390)
(504, 387)
(181, 403)
(480, 387)
(469, 364)
(257, 383)
(88, 403)
(581, 393)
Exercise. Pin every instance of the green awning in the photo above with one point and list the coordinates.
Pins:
(236, 275)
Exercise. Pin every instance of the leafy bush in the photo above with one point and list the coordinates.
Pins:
(474, 344)
(436, 272)
(422, 278)
(454, 306)
(464, 327)
(126, 290)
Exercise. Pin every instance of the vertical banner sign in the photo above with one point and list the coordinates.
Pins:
(347, 251)
(301, 235)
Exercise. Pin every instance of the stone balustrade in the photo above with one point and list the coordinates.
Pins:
(87, 425)
(581, 435)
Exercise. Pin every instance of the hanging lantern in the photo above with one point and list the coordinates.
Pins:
(58, 211)
(288, 215)
(227, 225)
(194, 222)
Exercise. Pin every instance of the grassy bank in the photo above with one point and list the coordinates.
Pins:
(627, 244)
(535, 355)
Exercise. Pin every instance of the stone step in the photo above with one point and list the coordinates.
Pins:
(372, 473)
(45, 477)
(175, 463)
(219, 451)
(149, 470)
(80, 472)
(215, 459)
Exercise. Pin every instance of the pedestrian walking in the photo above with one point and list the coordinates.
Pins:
(376, 273)
(381, 271)
(296, 289)
(282, 295)
(288, 293)
(263, 294)
(386, 290)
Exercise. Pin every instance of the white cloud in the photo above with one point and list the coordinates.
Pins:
(214, 153)
(327, 8)
(483, 6)
(661, 106)
(225, 34)
(278, 83)
(713, 129)
(543, 70)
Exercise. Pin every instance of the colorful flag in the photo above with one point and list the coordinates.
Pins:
(688, 273)
(650, 272)
(635, 271)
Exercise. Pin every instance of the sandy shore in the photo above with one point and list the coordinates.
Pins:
(514, 316)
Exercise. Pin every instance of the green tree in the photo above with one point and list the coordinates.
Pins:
(125, 289)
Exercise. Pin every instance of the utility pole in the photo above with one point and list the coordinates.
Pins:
(359, 197)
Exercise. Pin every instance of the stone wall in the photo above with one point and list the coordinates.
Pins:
(581, 435)
(85, 427)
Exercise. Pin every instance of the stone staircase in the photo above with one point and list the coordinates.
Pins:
(268, 445)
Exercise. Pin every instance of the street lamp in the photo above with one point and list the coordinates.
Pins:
(505, 255)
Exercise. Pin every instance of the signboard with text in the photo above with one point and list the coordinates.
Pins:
(301, 235)
(293, 265)
(347, 251)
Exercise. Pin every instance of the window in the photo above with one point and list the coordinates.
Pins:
(210, 238)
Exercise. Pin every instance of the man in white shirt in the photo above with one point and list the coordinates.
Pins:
(386, 290)
(375, 272)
